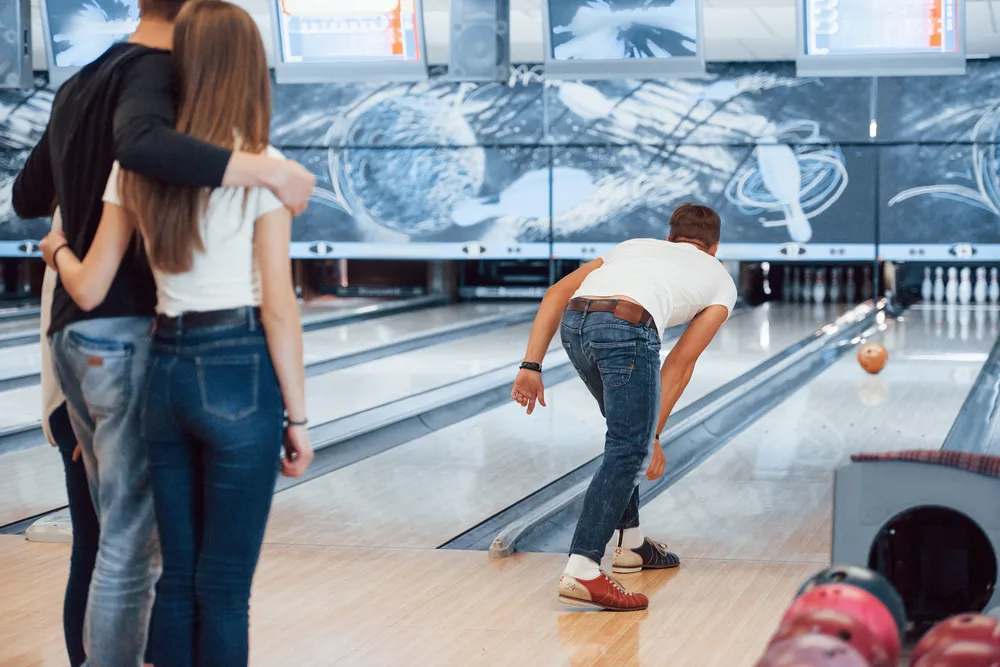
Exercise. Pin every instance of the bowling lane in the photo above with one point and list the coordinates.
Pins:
(19, 326)
(425, 492)
(328, 342)
(767, 495)
(32, 481)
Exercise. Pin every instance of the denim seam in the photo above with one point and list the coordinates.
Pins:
(78, 340)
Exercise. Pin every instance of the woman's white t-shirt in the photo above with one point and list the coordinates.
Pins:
(673, 281)
(225, 274)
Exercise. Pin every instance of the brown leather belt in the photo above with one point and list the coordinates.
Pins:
(623, 310)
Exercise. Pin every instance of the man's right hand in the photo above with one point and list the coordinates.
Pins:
(528, 388)
(293, 185)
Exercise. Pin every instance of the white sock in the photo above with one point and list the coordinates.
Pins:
(632, 538)
(581, 567)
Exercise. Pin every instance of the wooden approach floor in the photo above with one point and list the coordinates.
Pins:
(318, 606)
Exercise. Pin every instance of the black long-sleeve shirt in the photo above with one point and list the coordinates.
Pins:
(121, 106)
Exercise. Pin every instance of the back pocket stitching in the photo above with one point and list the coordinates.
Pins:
(254, 360)
(624, 373)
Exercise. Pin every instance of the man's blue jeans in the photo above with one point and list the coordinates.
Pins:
(102, 366)
(213, 421)
(620, 364)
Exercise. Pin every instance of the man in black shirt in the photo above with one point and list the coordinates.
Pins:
(121, 107)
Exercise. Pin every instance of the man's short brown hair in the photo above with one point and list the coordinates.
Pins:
(161, 9)
(697, 223)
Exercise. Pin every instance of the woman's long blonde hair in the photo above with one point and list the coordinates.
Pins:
(224, 92)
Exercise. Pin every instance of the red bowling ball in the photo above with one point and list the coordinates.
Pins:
(811, 651)
(839, 626)
(962, 654)
(975, 628)
(859, 604)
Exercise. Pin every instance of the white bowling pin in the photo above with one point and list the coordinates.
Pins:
(807, 286)
(979, 291)
(849, 288)
(939, 284)
(994, 291)
(951, 287)
(819, 288)
(835, 285)
(965, 286)
(927, 287)
(779, 169)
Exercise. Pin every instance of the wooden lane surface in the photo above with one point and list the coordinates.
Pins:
(427, 491)
(322, 606)
(768, 494)
(31, 480)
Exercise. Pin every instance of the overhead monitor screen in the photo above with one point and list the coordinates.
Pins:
(77, 32)
(623, 38)
(349, 31)
(861, 27)
(884, 38)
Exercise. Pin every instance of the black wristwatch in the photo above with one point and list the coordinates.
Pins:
(531, 366)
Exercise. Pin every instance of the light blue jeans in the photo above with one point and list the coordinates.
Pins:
(102, 366)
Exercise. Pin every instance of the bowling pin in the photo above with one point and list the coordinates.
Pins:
(994, 291)
(849, 287)
(939, 284)
(965, 286)
(807, 286)
(866, 283)
(779, 168)
(927, 287)
(951, 287)
(835, 285)
(819, 288)
(979, 291)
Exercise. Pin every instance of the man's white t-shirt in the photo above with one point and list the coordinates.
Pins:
(225, 274)
(673, 281)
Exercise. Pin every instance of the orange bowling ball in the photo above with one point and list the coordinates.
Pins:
(872, 357)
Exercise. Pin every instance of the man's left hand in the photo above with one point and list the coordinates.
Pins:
(658, 464)
(52, 242)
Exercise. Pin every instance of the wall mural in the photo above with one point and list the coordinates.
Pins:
(418, 168)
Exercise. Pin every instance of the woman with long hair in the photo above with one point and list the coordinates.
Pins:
(227, 383)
